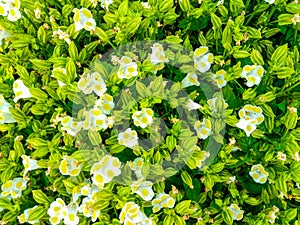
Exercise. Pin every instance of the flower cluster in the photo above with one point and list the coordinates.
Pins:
(143, 118)
(128, 68)
(13, 188)
(162, 200)
(70, 126)
(11, 9)
(203, 129)
(92, 82)
(143, 189)
(131, 214)
(252, 74)
(69, 166)
(128, 138)
(250, 118)
(259, 174)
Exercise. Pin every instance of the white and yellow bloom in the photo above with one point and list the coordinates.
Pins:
(128, 138)
(213, 104)
(57, 211)
(270, 1)
(131, 214)
(88, 209)
(5, 114)
(70, 126)
(219, 78)
(59, 70)
(90, 83)
(62, 35)
(29, 164)
(236, 212)
(137, 166)
(203, 59)
(190, 80)
(95, 120)
(143, 118)
(105, 170)
(259, 174)
(69, 166)
(11, 9)
(203, 129)
(143, 189)
(128, 68)
(24, 217)
(250, 118)
(71, 217)
(252, 74)
(106, 3)
(20, 90)
(158, 57)
(13, 188)
(105, 103)
(83, 18)
(192, 105)
(162, 200)
(3, 34)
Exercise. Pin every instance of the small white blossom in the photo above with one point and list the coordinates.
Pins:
(203, 129)
(143, 118)
(236, 212)
(24, 217)
(259, 174)
(83, 18)
(203, 59)
(128, 138)
(20, 90)
(90, 83)
(252, 74)
(162, 200)
(69, 166)
(29, 164)
(190, 80)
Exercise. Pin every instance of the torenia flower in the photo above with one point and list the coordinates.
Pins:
(143, 189)
(62, 35)
(203, 129)
(57, 211)
(13, 187)
(190, 80)
(104, 171)
(128, 68)
(128, 138)
(270, 1)
(250, 117)
(158, 55)
(236, 212)
(162, 200)
(222, 105)
(24, 218)
(29, 164)
(143, 118)
(95, 120)
(203, 59)
(59, 71)
(20, 90)
(259, 174)
(83, 18)
(105, 103)
(219, 78)
(11, 9)
(131, 214)
(137, 166)
(92, 83)
(192, 105)
(252, 74)
(106, 3)
(69, 166)
(87, 208)
(70, 126)
(71, 217)
(5, 114)
(3, 34)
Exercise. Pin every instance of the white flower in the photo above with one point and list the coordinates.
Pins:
(57, 211)
(192, 105)
(105, 170)
(190, 80)
(5, 114)
(202, 59)
(105, 3)
(162, 200)
(13, 187)
(37, 13)
(92, 83)
(128, 138)
(270, 1)
(69, 166)
(3, 34)
(219, 78)
(158, 55)
(131, 214)
(250, 117)
(252, 74)
(62, 35)
(259, 174)
(88, 209)
(143, 118)
(128, 68)
(95, 120)
(24, 218)
(71, 217)
(236, 212)
(29, 164)
(11, 9)
(137, 166)
(83, 18)
(143, 189)
(59, 71)
(20, 90)
(281, 156)
(203, 129)
(146, 5)
(70, 126)
(105, 103)
(296, 156)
